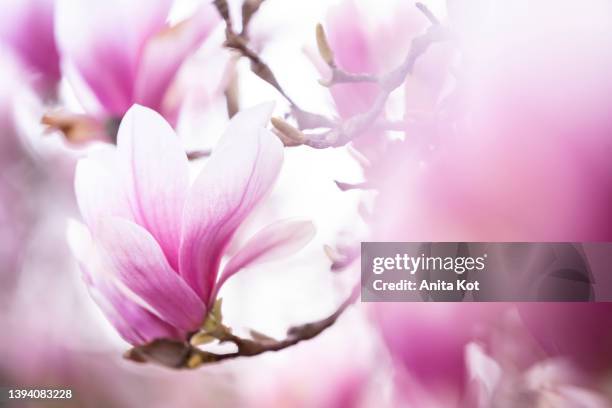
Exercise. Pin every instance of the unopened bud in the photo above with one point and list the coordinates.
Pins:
(76, 128)
(333, 254)
(289, 135)
(324, 49)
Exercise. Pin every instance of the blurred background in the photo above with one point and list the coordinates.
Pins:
(501, 133)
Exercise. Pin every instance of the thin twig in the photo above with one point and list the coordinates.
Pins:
(339, 76)
(239, 42)
(249, 8)
(176, 354)
(296, 334)
(339, 132)
(355, 126)
(427, 12)
(258, 66)
(198, 154)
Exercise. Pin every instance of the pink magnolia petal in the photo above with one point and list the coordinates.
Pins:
(275, 241)
(133, 322)
(27, 29)
(240, 130)
(484, 372)
(241, 170)
(571, 396)
(138, 263)
(350, 44)
(82, 92)
(164, 54)
(97, 191)
(156, 175)
(104, 40)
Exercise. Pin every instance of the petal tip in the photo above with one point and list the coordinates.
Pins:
(141, 110)
(141, 121)
(259, 115)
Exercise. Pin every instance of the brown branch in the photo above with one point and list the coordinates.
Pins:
(258, 66)
(427, 12)
(249, 8)
(338, 132)
(223, 9)
(339, 76)
(232, 96)
(239, 42)
(355, 126)
(176, 354)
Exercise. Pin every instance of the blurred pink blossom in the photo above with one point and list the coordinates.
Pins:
(366, 43)
(27, 29)
(96, 376)
(373, 44)
(526, 158)
(159, 242)
(523, 157)
(16, 177)
(547, 383)
(118, 53)
(427, 341)
(581, 332)
(552, 179)
(328, 384)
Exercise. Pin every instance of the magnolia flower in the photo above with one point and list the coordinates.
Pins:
(547, 383)
(118, 53)
(27, 30)
(427, 341)
(158, 243)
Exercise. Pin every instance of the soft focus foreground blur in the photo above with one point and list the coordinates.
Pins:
(502, 134)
